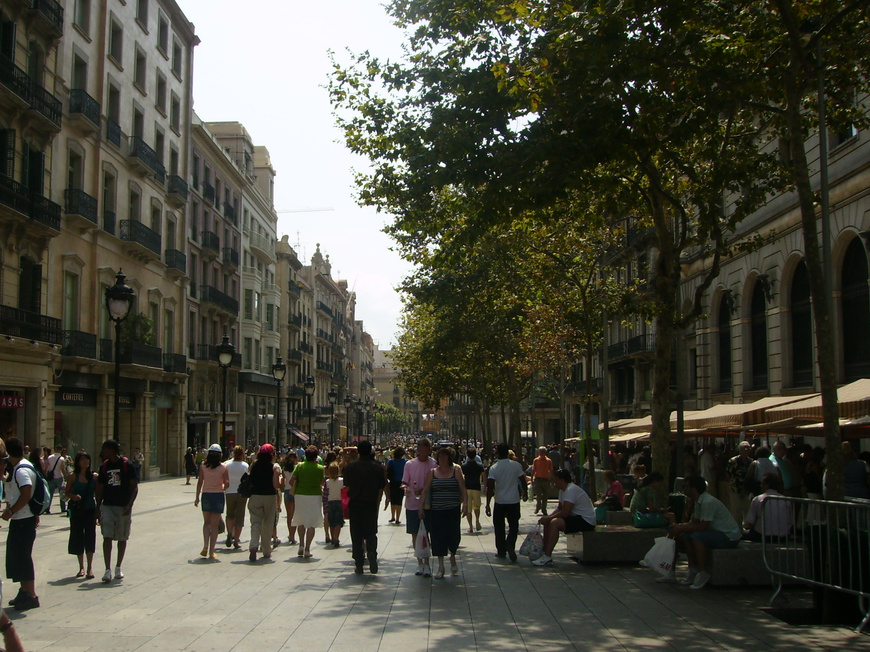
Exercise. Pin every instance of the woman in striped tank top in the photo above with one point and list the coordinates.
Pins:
(445, 499)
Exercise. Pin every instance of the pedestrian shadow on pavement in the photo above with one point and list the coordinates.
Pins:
(67, 580)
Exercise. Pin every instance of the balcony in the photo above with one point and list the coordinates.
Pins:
(80, 207)
(174, 363)
(322, 365)
(109, 222)
(640, 344)
(146, 242)
(295, 320)
(208, 192)
(28, 94)
(77, 344)
(305, 347)
(32, 205)
(49, 17)
(211, 245)
(230, 212)
(141, 354)
(294, 356)
(262, 246)
(294, 289)
(84, 111)
(253, 273)
(271, 288)
(27, 325)
(209, 294)
(113, 132)
(146, 159)
(176, 190)
(231, 257)
(324, 335)
(176, 262)
(322, 307)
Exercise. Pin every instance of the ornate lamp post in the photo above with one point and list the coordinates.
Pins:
(333, 398)
(348, 404)
(359, 423)
(279, 370)
(119, 300)
(225, 351)
(309, 392)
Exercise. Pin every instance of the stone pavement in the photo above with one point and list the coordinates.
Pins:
(173, 600)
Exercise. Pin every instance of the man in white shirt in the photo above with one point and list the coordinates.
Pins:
(55, 472)
(575, 513)
(22, 526)
(773, 519)
(505, 480)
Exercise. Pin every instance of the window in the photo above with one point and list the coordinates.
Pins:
(134, 209)
(113, 110)
(142, 13)
(160, 102)
(247, 352)
(170, 234)
(724, 345)
(154, 316)
(70, 301)
(82, 16)
(163, 35)
(175, 113)
(156, 217)
(35, 63)
(138, 124)
(116, 42)
(75, 170)
(801, 328)
(249, 304)
(109, 198)
(759, 338)
(173, 159)
(270, 316)
(159, 142)
(843, 135)
(195, 172)
(194, 221)
(176, 58)
(79, 77)
(856, 309)
(168, 339)
(256, 306)
(139, 70)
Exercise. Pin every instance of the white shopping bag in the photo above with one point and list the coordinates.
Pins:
(660, 557)
(533, 546)
(421, 549)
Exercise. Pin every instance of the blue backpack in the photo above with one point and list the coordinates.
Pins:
(41, 498)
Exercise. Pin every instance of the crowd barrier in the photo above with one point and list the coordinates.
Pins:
(831, 551)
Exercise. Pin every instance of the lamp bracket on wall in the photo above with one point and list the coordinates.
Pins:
(767, 288)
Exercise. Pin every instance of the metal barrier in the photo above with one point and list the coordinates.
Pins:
(832, 551)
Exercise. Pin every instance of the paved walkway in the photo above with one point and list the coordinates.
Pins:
(172, 600)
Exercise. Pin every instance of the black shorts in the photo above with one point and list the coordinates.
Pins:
(19, 549)
(575, 523)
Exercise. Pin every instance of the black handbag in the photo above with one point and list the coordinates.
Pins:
(245, 486)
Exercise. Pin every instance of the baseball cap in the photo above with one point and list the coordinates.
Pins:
(216, 448)
(267, 448)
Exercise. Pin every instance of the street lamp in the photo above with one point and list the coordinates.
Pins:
(225, 351)
(119, 300)
(279, 370)
(359, 409)
(309, 392)
(348, 404)
(333, 397)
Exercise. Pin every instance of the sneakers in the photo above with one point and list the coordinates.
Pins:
(543, 560)
(701, 580)
(690, 578)
(419, 570)
(26, 602)
(427, 572)
(118, 574)
(107, 576)
(643, 563)
(670, 578)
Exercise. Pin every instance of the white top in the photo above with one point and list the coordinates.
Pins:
(24, 475)
(580, 501)
(507, 474)
(55, 467)
(333, 487)
(236, 471)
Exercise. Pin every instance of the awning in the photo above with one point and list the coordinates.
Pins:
(299, 434)
(854, 400)
(635, 436)
(735, 415)
(644, 425)
(788, 425)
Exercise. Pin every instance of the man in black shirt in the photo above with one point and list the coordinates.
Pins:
(115, 494)
(473, 472)
(365, 480)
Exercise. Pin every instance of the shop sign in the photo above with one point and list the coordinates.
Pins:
(126, 401)
(75, 397)
(11, 402)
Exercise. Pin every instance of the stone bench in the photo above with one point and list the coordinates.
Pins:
(622, 517)
(612, 543)
(744, 565)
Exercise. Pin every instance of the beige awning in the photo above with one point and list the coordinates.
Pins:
(735, 415)
(854, 400)
(636, 436)
(644, 424)
(788, 425)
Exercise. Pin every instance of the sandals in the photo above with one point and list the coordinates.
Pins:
(454, 569)
(301, 552)
(440, 574)
(81, 573)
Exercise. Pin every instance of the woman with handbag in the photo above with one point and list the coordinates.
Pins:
(645, 510)
(444, 497)
(80, 487)
(613, 499)
(212, 483)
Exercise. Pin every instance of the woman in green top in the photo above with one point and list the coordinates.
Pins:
(80, 486)
(645, 510)
(305, 483)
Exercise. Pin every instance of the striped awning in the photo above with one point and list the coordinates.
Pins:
(854, 400)
(735, 415)
(300, 434)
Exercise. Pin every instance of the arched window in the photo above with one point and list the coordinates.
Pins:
(759, 338)
(724, 345)
(801, 328)
(855, 313)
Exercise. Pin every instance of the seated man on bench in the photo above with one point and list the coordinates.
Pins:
(575, 513)
(773, 519)
(712, 527)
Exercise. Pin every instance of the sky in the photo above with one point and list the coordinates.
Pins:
(265, 63)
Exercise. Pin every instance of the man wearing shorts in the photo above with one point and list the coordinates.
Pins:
(115, 494)
(712, 527)
(575, 513)
(413, 480)
(474, 476)
(22, 524)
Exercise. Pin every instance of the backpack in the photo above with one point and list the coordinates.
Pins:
(41, 499)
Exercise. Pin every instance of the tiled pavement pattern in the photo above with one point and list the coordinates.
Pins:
(172, 600)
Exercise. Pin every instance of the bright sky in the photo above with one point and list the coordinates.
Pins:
(264, 63)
